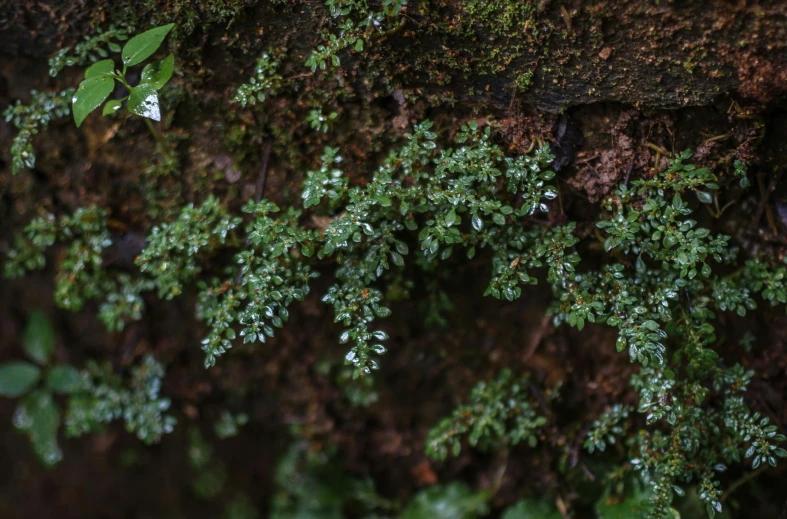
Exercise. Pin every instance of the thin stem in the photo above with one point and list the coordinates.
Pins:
(260, 191)
(747, 477)
(156, 134)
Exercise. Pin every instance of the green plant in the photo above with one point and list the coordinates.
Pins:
(30, 119)
(662, 283)
(265, 81)
(90, 50)
(37, 415)
(95, 395)
(357, 26)
(498, 413)
(106, 397)
(142, 100)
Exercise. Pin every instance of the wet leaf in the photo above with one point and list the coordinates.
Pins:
(144, 101)
(704, 197)
(112, 106)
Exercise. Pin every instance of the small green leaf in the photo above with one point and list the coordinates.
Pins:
(100, 68)
(90, 94)
(476, 222)
(383, 200)
(144, 101)
(18, 378)
(39, 338)
(158, 73)
(704, 197)
(142, 46)
(112, 106)
(63, 379)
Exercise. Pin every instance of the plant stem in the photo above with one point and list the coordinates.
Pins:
(747, 477)
(156, 134)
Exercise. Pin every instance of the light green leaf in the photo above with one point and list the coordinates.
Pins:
(39, 338)
(63, 379)
(90, 94)
(144, 101)
(100, 68)
(18, 378)
(142, 46)
(112, 106)
(158, 73)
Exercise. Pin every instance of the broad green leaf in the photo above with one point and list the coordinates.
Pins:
(90, 94)
(100, 68)
(531, 509)
(158, 73)
(112, 106)
(63, 379)
(39, 338)
(38, 416)
(142, 46)
(144, 101)
(18, 378)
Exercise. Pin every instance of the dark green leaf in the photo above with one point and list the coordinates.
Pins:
(476, 222)
(397, 259)
(18, 378)
(704, 197)
(39, 338)
(63, 379)
(142, 46)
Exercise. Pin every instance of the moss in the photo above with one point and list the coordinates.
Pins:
(489, 35)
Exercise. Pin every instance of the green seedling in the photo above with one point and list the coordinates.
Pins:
(142, 99)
